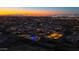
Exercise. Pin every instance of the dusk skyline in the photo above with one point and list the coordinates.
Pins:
(38, 11)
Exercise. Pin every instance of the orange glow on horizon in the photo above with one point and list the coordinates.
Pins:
(26, 12)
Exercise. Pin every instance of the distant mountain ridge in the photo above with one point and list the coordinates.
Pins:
(69, 15)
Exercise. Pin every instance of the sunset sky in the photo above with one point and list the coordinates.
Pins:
(38, 11)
